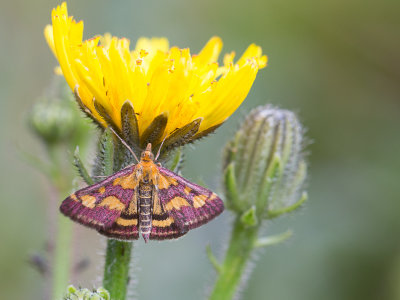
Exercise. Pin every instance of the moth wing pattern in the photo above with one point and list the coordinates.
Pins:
(186, 204)
(163, 222)
(125, 226)
(101, 205)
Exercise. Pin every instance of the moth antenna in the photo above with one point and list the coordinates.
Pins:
(124, 143)
(159, 149)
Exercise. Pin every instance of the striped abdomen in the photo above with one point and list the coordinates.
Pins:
(145, 209)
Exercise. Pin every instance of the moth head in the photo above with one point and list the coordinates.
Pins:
(147, 155)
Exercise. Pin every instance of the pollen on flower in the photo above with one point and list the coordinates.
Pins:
(166, 85)
(143, 53)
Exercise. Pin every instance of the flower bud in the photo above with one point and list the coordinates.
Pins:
(56, 118)
(53, 121)
(85, 294)
(264, 165)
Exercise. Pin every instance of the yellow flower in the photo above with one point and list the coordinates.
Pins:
(156, 80)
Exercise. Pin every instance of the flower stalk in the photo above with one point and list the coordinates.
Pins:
(62, 256)
(62, 245)
(240, 248)
(116, 268)
(118, 253)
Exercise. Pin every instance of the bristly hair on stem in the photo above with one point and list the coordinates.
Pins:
(104, 159)
(118, 253)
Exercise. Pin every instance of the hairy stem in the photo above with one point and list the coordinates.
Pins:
(116, 269)
(118, 253)
(239, 252)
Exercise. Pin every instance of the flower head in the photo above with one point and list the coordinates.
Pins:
(154, 91)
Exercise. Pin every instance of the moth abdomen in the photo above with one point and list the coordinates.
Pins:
(145, 209)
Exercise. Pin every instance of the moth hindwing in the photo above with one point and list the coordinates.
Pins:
(144, 198)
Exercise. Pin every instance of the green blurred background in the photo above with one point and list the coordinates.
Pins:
(335, 62)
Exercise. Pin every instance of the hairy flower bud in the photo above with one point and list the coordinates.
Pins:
(53, 121)
(85, 294)
(55, 117)
(264, 165)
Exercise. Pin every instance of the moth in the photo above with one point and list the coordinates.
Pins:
(143, 198)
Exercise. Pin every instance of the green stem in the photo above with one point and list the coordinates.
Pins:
(118, 253)
(241, 245)
(62, 258)
(63, 237)
(116, 269)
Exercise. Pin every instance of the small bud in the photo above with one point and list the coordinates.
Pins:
(53, 120)
(86, 294)
(56, 118)
(264, 165)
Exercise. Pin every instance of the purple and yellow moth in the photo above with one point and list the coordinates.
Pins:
(145, 198)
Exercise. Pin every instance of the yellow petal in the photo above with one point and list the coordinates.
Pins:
(210, 52)
(48, 34)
